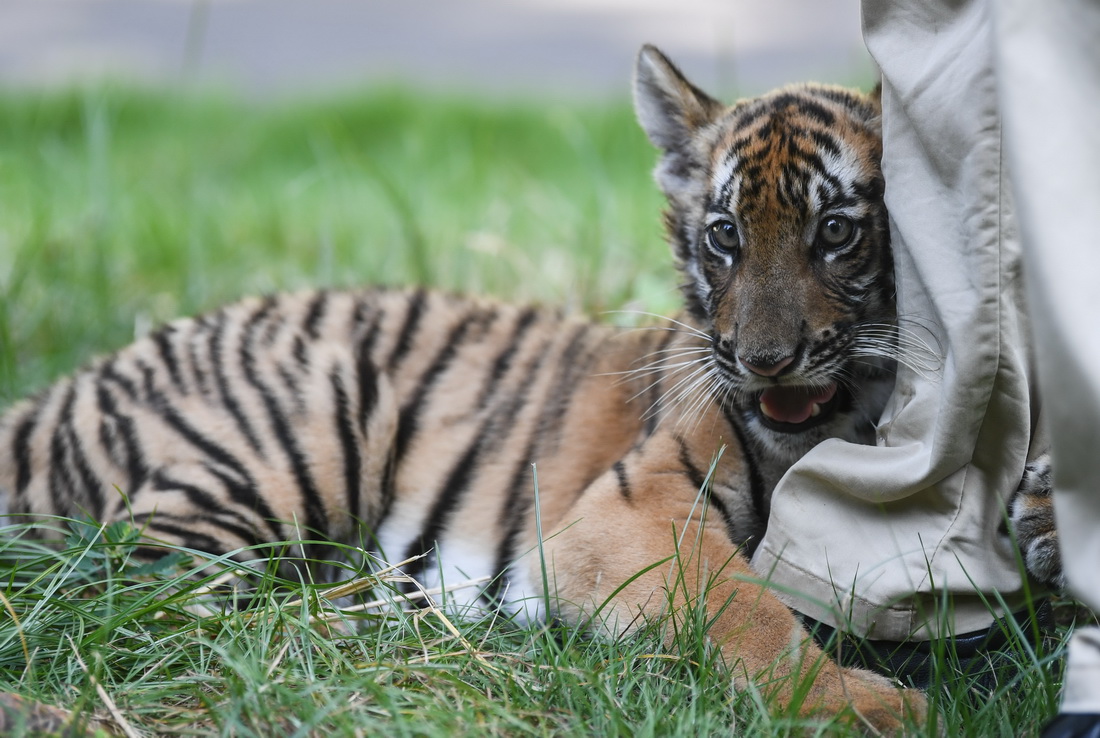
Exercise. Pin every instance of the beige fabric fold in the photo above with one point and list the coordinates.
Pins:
(907, 539)
(1048, 68)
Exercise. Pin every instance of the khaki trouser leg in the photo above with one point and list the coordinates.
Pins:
(873, 538)
(1049, 73)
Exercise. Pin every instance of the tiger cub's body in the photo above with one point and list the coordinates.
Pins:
(404, 421)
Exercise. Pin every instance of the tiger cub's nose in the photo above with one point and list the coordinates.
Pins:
(764, 366)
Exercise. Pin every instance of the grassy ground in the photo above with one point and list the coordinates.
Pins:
(119, 210)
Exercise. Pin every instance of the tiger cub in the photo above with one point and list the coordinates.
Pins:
(413, 420)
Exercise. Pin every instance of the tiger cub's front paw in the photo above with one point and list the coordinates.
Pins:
(1032, 514)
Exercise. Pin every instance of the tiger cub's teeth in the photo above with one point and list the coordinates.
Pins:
(815, 410)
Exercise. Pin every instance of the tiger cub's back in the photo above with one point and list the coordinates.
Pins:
(287, 417)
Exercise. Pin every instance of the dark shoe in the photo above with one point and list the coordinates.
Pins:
(985, 657)
(1073, 725)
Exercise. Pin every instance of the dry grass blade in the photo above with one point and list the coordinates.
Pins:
(423, 594)
(370, 581)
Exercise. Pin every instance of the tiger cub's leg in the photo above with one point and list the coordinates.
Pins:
(1032, 514)
(647, 513)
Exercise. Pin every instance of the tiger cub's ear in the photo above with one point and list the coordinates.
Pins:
(875, 98)
(876, 94)
(669, 108)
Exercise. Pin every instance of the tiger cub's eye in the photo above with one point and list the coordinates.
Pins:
(722, 237)
(834, 231)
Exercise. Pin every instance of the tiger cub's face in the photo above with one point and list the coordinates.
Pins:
(777, 221)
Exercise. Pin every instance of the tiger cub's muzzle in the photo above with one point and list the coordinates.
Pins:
(778, 393)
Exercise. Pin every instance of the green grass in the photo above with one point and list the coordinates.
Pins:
(119, 210)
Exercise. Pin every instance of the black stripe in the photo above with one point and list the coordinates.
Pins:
(194, 362)
(825, 141)
(731, 527)
(244, 493)
(518, 505)
(458, 479)
(408, 421)
(750, 191)
(389, 492)
(61, 483)
(516, 509)
(624, 481)
(750, 112)
(698, 480)
(749, 169)
(504, 359)
(316, 516)
(570, 367)
(185, 536)
(723, 201)
(292, 385)
(107, 433)
(793, 188)
(271, 332)
(345, 431)
(243, 489)
(829, 197)
(133, 458)
(217, 339)
(870, 191)
(168, 357)
(853, 101)
(207, 508)
(811, 160)
(757, 491)
(413, 314)
(109, 372)
(367, 374)
(21, 447)
(694, 473)
(840, 292)
(315, 314)
(817, 111)
(301, 353)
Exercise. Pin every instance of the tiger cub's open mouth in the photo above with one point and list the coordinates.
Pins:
(793, 409)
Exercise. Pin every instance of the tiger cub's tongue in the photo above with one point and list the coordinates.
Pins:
(794, 404)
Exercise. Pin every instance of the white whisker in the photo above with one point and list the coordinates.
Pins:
(664, 365)
(674, 393)
(693, 413)
(662, 376)
(689, 400)
(685, 326)
(896, 343)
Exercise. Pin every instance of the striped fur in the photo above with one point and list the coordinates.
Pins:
(409, 421)
(1032, 516)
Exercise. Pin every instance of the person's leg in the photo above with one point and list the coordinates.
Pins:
(874, 537)
(1049, 75)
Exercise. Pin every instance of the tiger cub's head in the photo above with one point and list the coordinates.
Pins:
(777, 221)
